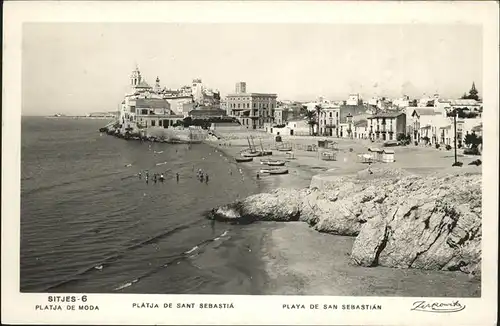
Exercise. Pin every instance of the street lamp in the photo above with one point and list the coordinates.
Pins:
(456, 163)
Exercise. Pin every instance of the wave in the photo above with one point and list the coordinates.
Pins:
(176, 260)
(67, 183)
(192, 249)
(126, 285)
(114, 257)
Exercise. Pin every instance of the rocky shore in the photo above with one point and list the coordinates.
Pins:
(400, 220)
(157, 134)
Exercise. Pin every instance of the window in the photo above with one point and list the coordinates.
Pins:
(337, 114)
(132, 109)
(248, 105)
(330, 114)
(153, 123)
(238, 105)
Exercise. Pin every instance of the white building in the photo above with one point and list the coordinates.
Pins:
(197, 91)
(329, 120)
(353, 99)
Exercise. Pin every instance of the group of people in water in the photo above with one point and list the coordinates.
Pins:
(160, 177)
(202, 176)
(156, 177)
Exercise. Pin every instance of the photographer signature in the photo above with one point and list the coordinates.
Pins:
(453, 306)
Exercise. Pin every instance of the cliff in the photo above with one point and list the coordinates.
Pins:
(399, 220)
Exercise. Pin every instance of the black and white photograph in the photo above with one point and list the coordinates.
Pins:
(239, 158)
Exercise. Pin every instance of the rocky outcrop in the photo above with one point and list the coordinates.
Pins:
(430, 223)
(278, 205)
(400, 220)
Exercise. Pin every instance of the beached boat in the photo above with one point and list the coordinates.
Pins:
(276, 163)
(267, 152)
(251, 154)
(243, 159)
(284, 149)
(267, 170)
(265, 160)
(278, 171)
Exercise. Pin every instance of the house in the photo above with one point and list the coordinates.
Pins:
(346, 127)
(281, 115)
(297, 127)
(425, 122)
(361, 129)
(386, 126)
(329, 120)
(346, 119)
(471, 105)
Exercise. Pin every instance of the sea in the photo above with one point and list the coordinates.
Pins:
(90, 224)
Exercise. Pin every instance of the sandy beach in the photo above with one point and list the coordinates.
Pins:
(298, 260)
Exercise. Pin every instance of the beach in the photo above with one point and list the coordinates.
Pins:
(298, 260)
(132, 237)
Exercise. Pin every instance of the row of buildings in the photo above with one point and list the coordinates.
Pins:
(154, 106)
(428, 119)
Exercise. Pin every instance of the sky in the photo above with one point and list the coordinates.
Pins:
(78, 68)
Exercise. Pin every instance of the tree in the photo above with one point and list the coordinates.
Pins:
(310, 120)
(472, 140)
(473, 93)
(403, 139)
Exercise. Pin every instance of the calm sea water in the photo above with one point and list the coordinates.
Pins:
(89, 224)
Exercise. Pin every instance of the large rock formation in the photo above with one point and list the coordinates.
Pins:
(278, 205)
(400, 220)
(430, 223)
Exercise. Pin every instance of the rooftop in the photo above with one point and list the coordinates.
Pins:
(151, 103)
(464, 102)
(142, 84)
(253, 94)
(424, 111)
(386, 115)
(361, 123)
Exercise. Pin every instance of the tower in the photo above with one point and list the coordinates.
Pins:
(473, 91)
(197, 91)
(157, 87)
(135, 77)
(241, 88)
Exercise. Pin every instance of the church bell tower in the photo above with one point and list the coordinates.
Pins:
(135, 77)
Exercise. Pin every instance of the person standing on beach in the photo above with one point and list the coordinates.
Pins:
(258, 176)
(206, 177)
(155, 178)
(177, 176)
(162, 178)
(139, 175)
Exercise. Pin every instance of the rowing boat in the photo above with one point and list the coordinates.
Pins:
(278, 171)
(267, 170)
(276, 163)
(243, 159)
(251, 154)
